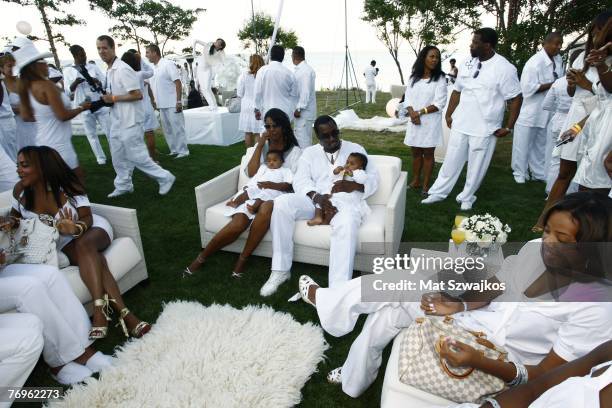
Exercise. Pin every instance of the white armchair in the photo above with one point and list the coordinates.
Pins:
(379, 235)
(125, 256)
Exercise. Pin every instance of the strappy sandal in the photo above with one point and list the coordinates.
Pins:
(188, 272)
(238, 275)
(335, 376)
(304, 284)
(100, 332)
(140, 330)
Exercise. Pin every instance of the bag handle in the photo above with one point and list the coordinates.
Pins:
(444, 364)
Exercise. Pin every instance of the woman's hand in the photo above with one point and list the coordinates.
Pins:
(569, 134)
(86, 105)
(415, 117)
(440, 304)
(582, 81)
(263, 138)
(108, 98)
(66, 225)
(459, 354)
(8, 223)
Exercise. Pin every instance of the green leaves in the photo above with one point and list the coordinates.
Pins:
(256, 34)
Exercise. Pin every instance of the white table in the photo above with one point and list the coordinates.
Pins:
(203, 126)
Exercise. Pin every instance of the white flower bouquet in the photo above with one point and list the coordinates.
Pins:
(484, 230)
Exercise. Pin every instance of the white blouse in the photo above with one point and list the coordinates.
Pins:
(423, 93)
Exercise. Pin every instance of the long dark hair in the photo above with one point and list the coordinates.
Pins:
(593, 213)
(281, 119)
(27, 75)
(418, 69)
(54, 173)
(132, 59)
(599, 22)
(212, 48)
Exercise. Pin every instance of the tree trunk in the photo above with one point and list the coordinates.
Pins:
(399, 67)
(40, 6)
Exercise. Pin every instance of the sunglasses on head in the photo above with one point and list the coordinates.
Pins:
(477, 70)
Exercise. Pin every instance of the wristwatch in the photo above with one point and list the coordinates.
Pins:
(509, 130)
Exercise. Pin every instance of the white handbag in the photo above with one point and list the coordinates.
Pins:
(34, 241)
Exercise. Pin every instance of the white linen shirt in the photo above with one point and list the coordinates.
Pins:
(83, 90)
(483, 99)
(537, 71)
(6, 111)
(315, 172)
(370, 75)
(423, 93)
(307, 97)
(275, 87)
(121, 79)
(162, 84)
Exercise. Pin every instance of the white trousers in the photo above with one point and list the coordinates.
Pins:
(90, 121)
(529, 152)
(340, 307)
(8, 137)
(370, 93)
(205, 78)
(303, 131)
(43, 291)
(478, 152)
(21, 341)
(129, 151)
(8, 172)
(289, 208)
(173, 124)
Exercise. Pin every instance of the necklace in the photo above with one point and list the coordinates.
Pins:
(331, 158)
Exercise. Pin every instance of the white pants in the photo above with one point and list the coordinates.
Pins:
(303, 132)
(205, 78)
(370, 93)
(90, 121)
(340, 307)
(43, 291)
(529, 152)
(290, 208)
(8, 137)
(129, 151)
(173, 124)
(21, 341)
(8, 172)
(478, 152)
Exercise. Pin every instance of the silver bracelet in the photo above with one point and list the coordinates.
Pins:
(313, 197)
(465, 305)
(493, 402)
(521, 375)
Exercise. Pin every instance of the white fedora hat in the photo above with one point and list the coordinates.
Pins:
(26, 55)
(19, 42)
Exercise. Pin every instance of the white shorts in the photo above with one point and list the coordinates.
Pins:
(98, 222)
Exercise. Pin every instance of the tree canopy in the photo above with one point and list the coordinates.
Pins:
(257, 32)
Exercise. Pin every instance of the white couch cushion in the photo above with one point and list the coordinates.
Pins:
(121, 256)
(372, 230)
(389, 168)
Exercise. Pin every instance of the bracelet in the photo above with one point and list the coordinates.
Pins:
(493, 402)
(424, 111)
(313, 197)
(78, 234)
(83, 224)
(509, 130)
(576, 127)
(521, 377)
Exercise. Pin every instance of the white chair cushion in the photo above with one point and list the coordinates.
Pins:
(372, 230)
(389, 169)
(121, 256)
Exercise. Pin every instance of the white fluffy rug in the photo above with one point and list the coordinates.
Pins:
(215, 356)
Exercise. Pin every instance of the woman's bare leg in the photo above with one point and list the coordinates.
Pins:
(417, 164)
(259, 228)
(428, 165)
(567, 171)
(249, 139)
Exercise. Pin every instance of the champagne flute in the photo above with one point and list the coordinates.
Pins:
(459, 219)
(458, 236)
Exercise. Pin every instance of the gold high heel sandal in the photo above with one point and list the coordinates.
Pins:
(188, 272)
(100, 332)
(140, 330)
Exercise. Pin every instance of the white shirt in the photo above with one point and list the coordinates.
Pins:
(83, 90)
(275, 87)
(162, 84)
(121, 79)
(423, 93)
(557, 99)
(315, 172)
(307, 97)
(5, 108)
(483, 99)
(370, 75)
(538, 70)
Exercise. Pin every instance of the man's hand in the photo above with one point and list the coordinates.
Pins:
(179, 107)
(108, 98)
(440, 304)
(346, 186)
(76, 83)
(257, 114)
(325, 203)
(449, 121)
(297, 114)
(503, 132)
(86, 105)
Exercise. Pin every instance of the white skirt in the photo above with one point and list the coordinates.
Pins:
(98, 222)
(595, 144)
(578, 110)
(247, 121)
(68, 154)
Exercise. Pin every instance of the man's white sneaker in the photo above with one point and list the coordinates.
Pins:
(274, 281)
(466, 206)
(519, 179)
(432, 199)
(335, 376)
(72, 373)
(181, 155)
(117, 193)
(101, 162)
(165, 186)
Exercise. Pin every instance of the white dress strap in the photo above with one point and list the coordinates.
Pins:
(603, 379)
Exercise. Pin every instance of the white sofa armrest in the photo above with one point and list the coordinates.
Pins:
(212, 192)
(395, 215)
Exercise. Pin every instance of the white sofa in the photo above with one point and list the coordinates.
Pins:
(125, 255)
(379, 235)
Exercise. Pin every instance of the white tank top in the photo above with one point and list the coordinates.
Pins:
(50, 130)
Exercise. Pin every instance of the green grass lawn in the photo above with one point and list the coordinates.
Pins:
(170, 234)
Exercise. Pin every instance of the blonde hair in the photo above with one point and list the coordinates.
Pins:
(255, 62)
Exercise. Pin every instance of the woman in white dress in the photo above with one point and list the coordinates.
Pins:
(555, 307)
(424, 101)
(246, 92)
(26, 131)
(278, 136)
(44, 102)
(212, 56)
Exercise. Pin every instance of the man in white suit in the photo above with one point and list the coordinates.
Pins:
(275, 86)
(306, 108)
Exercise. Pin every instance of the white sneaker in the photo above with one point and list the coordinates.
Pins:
(274, 281)
(519, 179)
(466, 206)
(181, 155)
(99, 362)
(432, 199)
(72, 373)
(117, 193)
(101, 162)
(335, 376)
(165, 186)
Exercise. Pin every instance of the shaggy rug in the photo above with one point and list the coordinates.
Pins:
(217, 356)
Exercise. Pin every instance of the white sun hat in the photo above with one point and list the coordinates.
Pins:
(19, 42)
(27, 54)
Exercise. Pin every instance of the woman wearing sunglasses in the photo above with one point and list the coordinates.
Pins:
(278, 135)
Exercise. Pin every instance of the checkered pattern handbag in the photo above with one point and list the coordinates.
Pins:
(421, 366)
(34, 242)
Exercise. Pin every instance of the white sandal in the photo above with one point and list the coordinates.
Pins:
(305, 283)
(335, 376)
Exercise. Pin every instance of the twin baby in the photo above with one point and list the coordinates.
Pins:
(253, 195)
